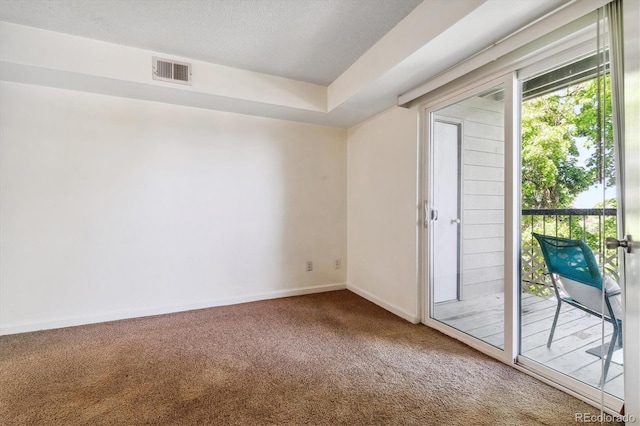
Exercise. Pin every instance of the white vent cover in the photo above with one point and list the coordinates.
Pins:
(172, 71)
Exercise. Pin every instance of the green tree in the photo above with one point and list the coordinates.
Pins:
(552, 124)
(553, 175)
(589, 125)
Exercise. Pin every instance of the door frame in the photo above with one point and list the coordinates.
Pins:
(562, 41)
(510, 354)
(631, 262)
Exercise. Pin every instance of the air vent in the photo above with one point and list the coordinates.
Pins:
(172, 71)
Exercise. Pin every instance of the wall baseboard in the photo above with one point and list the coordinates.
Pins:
(412, 318)
(137, 313)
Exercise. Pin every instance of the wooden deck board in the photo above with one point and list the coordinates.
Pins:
(575, 332)
(568, 335)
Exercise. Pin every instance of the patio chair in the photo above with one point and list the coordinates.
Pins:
(574, 270)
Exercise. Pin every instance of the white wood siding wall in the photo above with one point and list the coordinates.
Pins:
(482, 195)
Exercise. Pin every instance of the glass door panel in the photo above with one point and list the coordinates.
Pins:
(466, 217)
(569, 191)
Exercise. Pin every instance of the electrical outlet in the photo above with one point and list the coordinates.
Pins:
(338, 264)
(309, 266)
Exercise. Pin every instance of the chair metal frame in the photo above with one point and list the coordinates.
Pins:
(559, 243)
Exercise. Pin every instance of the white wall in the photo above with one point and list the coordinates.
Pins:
(112, 207)
(382, 214)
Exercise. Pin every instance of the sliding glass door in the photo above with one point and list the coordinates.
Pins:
(572, 292)
(569, 192)
(465, 214)
(523, 217)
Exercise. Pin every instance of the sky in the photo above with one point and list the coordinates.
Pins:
(593, 196)
(589, 198)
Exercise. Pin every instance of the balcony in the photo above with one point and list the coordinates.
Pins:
(578, 335)
(577, 332)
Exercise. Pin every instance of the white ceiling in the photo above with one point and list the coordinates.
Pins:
(351, 58)
(306, 40)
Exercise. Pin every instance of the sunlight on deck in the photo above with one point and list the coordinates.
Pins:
(576, 332)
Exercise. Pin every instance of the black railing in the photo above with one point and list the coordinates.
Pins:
(590, 225)
(569, 212)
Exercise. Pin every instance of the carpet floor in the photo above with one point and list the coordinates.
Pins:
(322, 359)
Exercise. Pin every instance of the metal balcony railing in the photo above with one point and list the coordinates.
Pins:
(590, 225)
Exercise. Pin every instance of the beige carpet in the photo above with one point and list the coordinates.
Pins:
(323, 359)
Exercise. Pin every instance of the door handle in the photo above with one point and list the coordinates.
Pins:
(614, 243)
(429, 214)
(426, 214)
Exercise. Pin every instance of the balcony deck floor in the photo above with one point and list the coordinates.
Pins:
(576, 332)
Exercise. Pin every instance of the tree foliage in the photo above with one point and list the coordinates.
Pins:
(552, 127)
(602, 159)
(553, 172)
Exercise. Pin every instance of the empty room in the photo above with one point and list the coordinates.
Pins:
(376, 212)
